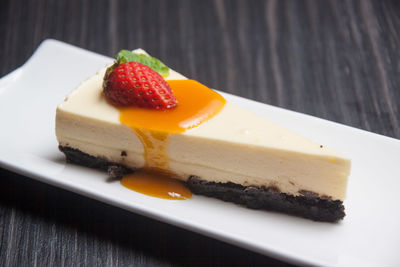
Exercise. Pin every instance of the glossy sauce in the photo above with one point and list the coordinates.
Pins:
(196, 104)
(156, 184)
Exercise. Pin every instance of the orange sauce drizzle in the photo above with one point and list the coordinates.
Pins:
(196, 104)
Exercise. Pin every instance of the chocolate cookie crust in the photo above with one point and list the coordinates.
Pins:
(115, 170)
(308, 205)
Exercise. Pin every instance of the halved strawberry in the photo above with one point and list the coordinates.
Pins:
(135, 84)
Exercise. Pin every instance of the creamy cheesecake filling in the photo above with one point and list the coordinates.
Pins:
(221, 173)
(234, 146)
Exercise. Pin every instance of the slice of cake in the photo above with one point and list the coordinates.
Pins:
(181, 127)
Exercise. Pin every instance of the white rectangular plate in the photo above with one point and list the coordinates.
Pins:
(368, 236)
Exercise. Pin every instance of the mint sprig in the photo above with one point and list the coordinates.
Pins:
(152, 62)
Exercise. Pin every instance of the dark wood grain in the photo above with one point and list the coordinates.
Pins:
(337, 60)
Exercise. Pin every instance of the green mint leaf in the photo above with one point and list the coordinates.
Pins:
(152, 62)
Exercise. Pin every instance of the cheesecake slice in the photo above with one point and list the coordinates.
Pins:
(233, 155)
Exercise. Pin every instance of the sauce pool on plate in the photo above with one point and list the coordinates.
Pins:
(156, 184)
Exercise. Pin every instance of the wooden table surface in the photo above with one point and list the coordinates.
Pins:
(338, 60)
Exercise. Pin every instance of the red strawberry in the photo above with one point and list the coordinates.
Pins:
(135, 84)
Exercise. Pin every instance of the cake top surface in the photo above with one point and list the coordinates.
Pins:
(232, 124)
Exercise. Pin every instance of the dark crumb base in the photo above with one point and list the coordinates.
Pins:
(115, 170)
(308, 204)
